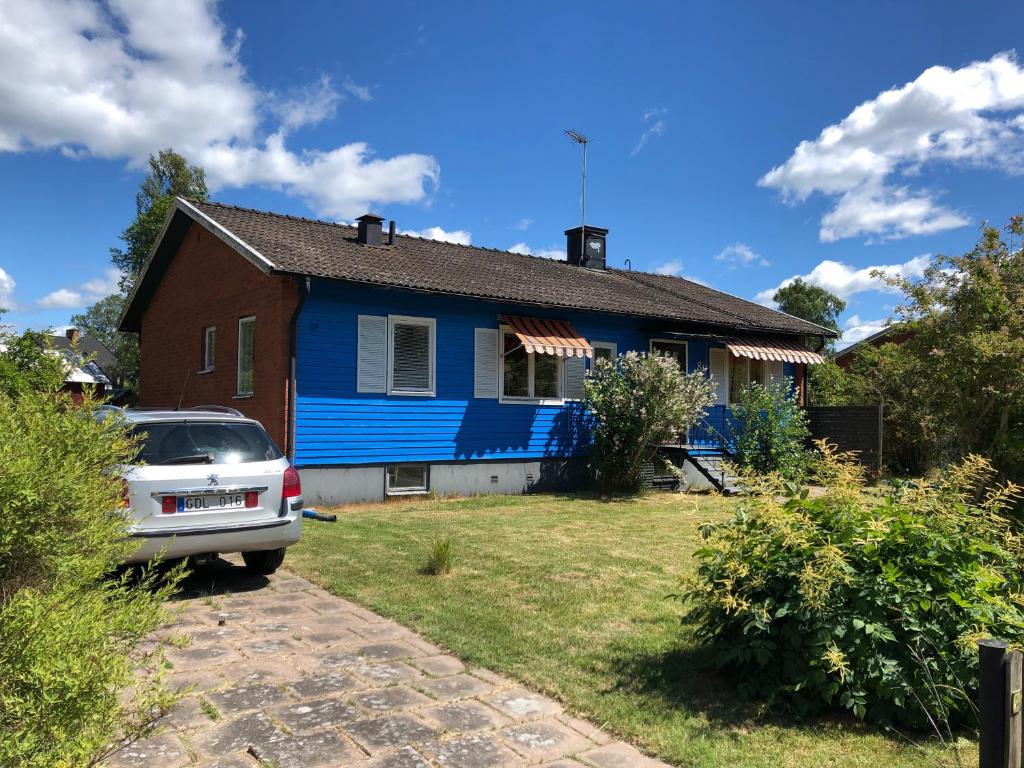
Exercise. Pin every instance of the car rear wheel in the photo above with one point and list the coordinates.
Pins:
(263, 562)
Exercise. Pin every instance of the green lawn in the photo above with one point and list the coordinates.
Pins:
(569, 596)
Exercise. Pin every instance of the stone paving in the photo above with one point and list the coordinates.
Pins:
(279, 673)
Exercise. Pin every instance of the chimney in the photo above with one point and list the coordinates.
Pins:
(370, 229)
(73, 335)
(585, 246)
(391, 232)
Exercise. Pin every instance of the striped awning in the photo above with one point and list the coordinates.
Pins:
(546, 336)
(780, 350)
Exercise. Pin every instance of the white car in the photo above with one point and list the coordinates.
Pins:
(209, 481)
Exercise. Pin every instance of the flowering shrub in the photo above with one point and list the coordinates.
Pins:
(872, 605)
(636, 403)
(773, 431)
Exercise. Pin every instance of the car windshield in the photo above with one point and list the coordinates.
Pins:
(204, 442)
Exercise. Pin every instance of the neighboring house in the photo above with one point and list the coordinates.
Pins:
(86, 360)
(891, 334)
(389, 364)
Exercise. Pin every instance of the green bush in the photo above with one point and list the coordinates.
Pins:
(848, 600)
(636, 403)
(69, 631)
(773, 431)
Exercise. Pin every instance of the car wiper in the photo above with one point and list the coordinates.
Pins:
(195, 458)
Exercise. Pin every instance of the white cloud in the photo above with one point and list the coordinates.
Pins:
(523, 224)
(741, 254)
(6, 290)
(458, 236)
(111, 81)
(656, 128)
(88, 292)
(558, 254)
(674, 268)
(855, 329)
(845, 281)
(969, 116)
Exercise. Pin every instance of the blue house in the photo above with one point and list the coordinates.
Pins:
(386, 364)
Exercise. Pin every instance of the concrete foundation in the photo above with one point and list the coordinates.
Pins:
(345, 485)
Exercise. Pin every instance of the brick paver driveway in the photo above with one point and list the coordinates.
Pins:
(281, 673)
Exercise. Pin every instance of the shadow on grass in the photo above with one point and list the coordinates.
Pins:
(684, 680)
(681, 679)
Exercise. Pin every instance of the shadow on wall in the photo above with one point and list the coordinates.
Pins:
(491, 430)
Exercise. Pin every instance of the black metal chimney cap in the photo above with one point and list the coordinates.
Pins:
(589, 227)
(371, 217)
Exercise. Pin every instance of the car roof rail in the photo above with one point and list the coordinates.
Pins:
(217, 409)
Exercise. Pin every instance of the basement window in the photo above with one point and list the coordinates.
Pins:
(406, 479)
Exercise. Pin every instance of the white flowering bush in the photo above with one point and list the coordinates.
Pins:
(636, 403)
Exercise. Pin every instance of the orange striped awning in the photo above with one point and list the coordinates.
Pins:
(545, 336)
(780, 350)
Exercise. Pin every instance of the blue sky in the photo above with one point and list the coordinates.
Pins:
(448, 117)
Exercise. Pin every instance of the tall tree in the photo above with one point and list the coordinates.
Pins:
(813, 304)
(170, 176)
(100, 322)
(961, 372)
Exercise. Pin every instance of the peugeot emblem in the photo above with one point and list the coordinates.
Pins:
(214, 479)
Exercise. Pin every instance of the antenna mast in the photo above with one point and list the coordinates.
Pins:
(582, 140)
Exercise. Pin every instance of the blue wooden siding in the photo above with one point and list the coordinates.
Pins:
(335, 425)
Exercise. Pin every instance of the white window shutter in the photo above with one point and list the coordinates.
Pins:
(718, 364)
(372, 358)
(410, 370)
(485, 363)
(574, 372)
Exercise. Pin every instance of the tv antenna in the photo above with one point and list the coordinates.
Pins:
(582, 140)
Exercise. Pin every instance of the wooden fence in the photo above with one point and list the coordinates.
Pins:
(850, 428)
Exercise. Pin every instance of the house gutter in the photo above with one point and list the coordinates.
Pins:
(303, 284)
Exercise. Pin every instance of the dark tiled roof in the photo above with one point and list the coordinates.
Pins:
(87, 347)
(322, 249)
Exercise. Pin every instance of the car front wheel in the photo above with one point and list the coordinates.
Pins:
(263, 562)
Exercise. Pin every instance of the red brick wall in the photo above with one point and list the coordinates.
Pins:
(207, 283)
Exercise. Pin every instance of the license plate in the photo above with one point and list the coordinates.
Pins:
(211, 503)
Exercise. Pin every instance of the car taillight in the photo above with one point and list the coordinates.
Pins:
(169, 505)
(292, 485)
(252, 499)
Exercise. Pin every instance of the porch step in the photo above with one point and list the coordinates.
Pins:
(713, 467)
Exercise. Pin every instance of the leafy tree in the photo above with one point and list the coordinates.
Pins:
(813, 304)
(170, 176)
(100, 322)
(829, 384)
(636, 403)
(960, 375)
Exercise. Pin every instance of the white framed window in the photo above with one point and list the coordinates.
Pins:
(406, 479)
(528, 377)
(246, 355)
(209, 348)
(744, 371)
(605, 350)
(677, 349)
(411, 355)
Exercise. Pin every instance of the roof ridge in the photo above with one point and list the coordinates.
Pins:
(470, 246)
(717, 290)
